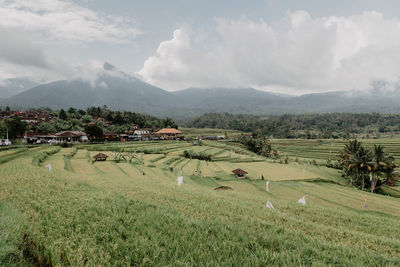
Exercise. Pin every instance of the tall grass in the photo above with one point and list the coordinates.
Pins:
(12, 155)
(40, 157)
(121, 217)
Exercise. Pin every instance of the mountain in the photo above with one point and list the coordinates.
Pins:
(10, 87)
(250, 101)
(194, 101)
(101, 86)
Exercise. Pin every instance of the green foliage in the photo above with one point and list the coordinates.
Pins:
(309, 126)
(365, 168)
(16, 127)
(94, 132)
(40, 157)
(67, 159)
(15, 247)
(67, 164)
(46, 127)
(260, 146)
(62, 115)
(189, 154)
(12, 155)
(80, 120)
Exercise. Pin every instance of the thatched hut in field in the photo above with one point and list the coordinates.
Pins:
(100, 157)
(239, 173)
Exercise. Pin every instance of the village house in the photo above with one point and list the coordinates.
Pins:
(32, 118)
(71, 136)
(141, 131)
(169, 133)
(60, 137)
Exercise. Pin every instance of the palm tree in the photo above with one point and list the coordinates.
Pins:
(350, 160)
(356, 162)
(382, 164)
(363, 163)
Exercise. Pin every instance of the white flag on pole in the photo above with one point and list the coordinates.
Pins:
(180, 180)
(267, 186)
(302, 201)
(49, 167)
(269, 205)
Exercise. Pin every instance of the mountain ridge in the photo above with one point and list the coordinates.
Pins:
(106, 85)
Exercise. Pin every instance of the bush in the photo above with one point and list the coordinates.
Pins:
(194, 155)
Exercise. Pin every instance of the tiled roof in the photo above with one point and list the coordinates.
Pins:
(169, 131)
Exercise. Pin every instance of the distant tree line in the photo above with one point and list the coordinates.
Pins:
(94, 120)
(330, 125)
(367, 168)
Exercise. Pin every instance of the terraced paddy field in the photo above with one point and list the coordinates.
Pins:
(134, 213)
(323, 149)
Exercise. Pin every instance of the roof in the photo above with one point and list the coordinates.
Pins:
(239, 172)
(109, 133)
(70, 134)
(169, 131)
(100, 155)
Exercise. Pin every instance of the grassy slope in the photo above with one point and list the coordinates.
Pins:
(106, 213)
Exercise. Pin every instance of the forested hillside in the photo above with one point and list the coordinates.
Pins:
(332, 125)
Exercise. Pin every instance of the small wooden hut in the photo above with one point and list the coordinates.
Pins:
(239, 173)
(100, 157)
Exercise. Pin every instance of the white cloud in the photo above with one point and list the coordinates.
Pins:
(65, 21)
(56, 24)
(19, 56)
(296, 54)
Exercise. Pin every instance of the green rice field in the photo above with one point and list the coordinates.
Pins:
(85, 213)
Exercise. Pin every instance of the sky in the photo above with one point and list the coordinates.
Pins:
(284, 46)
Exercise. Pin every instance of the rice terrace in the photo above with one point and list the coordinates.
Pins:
(131, 211)
(199, 133)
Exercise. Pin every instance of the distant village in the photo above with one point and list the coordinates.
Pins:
(96, 124)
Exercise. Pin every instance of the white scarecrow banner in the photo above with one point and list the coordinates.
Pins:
(267, 186)
(48, 167)
(180, 180)
(302, 201)
(269, 205)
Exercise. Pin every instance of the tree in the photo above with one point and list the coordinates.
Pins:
(382, 167)
(46, 127)
(94, 132)
(16, 127)
(71, 110)
(3, 129)
(62, 115)
(358, 163)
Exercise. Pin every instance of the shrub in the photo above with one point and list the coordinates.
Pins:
(194, 155)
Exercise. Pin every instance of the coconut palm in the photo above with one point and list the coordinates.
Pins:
(354, 161)
(357, 162)
(382, 167)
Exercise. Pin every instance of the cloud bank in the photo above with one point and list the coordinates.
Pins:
(53, 23)
(65, 21)
(296, 54)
